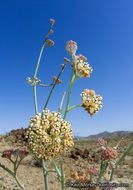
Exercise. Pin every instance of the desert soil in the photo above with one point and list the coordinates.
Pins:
(85, 154)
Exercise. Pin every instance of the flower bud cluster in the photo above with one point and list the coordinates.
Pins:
(109, 153)
(58, 81)
(101, 142)
(92, 171)
(29, 80)
(17, 152)
(71, 47)
(33, 82)
(49, 135)
(49, 42)
(91, 102)
(82, 68)
(80, 177)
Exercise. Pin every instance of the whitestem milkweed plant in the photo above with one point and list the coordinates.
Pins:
(49, 135)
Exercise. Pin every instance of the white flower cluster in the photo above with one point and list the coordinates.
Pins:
(91, 102)
(49, 135)
(82, 68)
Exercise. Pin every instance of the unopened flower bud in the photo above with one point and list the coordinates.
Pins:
(50, 43)
(54, 78)
(82, 57)
(66, 60)
(52, 21)
(59, 81)
(35, 78)
(28, 78)
(86, 91)
(92, 92)
(51, 32)
(29, 81)
(92, 170)
(71, 47)
(62, 65)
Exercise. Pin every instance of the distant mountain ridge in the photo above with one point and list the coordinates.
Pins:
(107, 134)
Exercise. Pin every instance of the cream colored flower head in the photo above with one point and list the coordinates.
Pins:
(91, 102)
(49, 135)
(82, 68)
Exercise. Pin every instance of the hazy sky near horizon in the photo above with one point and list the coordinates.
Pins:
(103, 31)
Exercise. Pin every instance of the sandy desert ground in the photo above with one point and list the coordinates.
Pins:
(85, 154)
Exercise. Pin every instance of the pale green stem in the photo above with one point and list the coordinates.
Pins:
(120, 160)
(57, 170)
(35, 103)
(112, 173)
(38, 62)
(45, 175)
(13, 174)
(62, 100)
(62, 173)
(124, 155)
(69, 93)
(74, 107)
(45, 85)
(18, 182)
(48, 171)
(35, 99)
(15, 165)
(7, 169)
(75, 80)
(90, 177)
(37, 66)
(103, 169)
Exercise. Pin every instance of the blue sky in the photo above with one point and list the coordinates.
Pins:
(103, 31)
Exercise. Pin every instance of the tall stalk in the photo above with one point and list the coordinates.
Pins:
(35, 104)
(69, 93)
(65, 114)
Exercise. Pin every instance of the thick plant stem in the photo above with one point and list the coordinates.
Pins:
(69, 93)
(56, 169)
(45, 173)
(18, 182)
(62, 174)
(103, 169)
